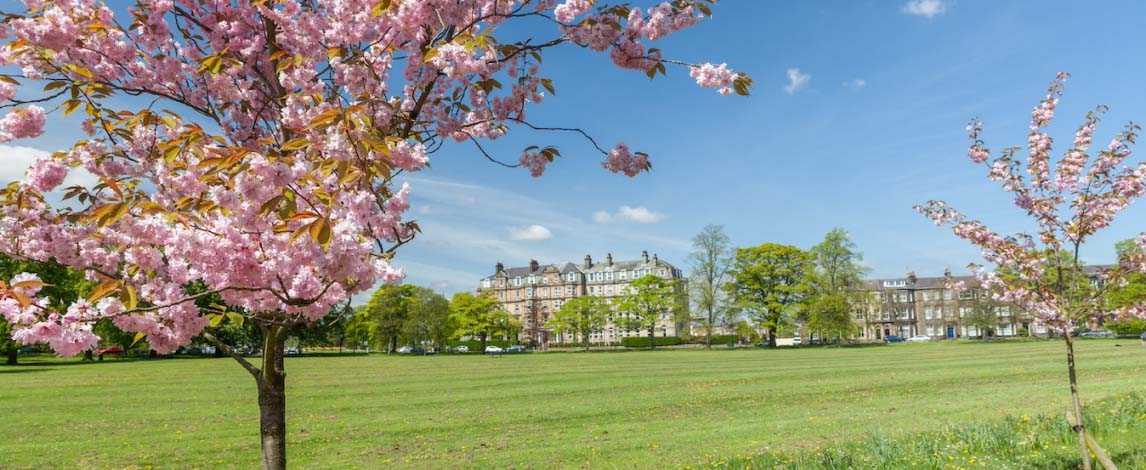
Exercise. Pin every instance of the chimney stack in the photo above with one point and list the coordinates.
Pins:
(645, 256)
(654, 258)
(499, 268)
(947, 273)
(588, 262)
(533, 265)
(911, 277)
(609, 259)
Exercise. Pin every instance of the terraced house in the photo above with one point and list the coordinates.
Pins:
(925, 306)
(532, 293)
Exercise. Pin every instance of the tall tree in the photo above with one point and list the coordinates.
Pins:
(833, 285)
(710, 262)
(386, 313)
(477, 316)
(428, 320)
(1069, 202)
(650, 299)
(271, 131)
(983, 315)
(582, 316)
(769, 281)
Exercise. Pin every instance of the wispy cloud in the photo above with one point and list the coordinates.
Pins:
(855, 84)
(531, 233)
(796, 81)
(925, 8)
(636, 215)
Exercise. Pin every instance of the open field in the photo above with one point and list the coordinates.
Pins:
(596, 410)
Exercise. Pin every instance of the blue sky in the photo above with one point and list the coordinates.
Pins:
(786, 164)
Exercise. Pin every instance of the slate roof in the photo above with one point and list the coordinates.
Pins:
(940, 282)
(598, 266)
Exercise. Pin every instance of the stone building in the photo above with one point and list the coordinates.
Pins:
(533, 293)
(925, 306)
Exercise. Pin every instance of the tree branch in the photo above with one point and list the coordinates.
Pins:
(234, 354)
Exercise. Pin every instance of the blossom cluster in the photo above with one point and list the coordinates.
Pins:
(1084, 196)
(275, 187)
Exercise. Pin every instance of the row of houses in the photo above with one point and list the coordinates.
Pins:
(905, 307)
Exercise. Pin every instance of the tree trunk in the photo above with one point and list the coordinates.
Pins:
(12, 355)
(708, 337)
(482, 338)
(652, 337)
(771, 337)
(1080, 428)
(88, 356)
(272, 402)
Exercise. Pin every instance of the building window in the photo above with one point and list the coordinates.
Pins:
(485, 283)
(569, 290)
(529, 292)
(663, 272)
(899, 283)
(609, 276)
(544, 291)
(501, 295)
(622, 275)
(532, 280)
(545, 279)
(501, 282)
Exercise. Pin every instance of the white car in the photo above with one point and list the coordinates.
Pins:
(406, 350)
(493, 349)
(797, 341)
(919, 339)
(462, 349)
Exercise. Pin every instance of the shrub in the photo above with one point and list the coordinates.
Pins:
(643, 341)
(1129, 327)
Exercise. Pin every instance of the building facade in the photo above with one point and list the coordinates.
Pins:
(927, 306)
(533, 293)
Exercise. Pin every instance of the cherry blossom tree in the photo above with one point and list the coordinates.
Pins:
(249, 149)
(1068, 201)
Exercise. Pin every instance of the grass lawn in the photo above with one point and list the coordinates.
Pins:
(572, 410)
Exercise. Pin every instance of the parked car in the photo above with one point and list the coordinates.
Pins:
(462, 349)
(919, 339)
(797, 341)
(493, 349)
(293, 352)
(517, 348)
(406, 350)
(1097, 334)
(895, 339)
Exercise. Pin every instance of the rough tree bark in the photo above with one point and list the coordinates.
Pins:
(12, 356)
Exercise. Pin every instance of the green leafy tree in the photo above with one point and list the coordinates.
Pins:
(428, 319)
(328, 331)
(983, 315)
(833, 285)
(769, 282)
(64, 286)
(710, 263)
(650, 299)
(1123, 296)
(581, 316)
(477, 316)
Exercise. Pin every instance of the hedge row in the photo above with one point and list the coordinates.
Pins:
(643, 341)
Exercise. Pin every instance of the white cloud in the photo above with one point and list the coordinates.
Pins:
(636, 215)
(925, 8)
(855, 84)
(796, 81)
(15, 160)
(532, 233)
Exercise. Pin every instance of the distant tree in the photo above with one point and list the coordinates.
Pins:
(581, 316)
(505, 325)
(710, 263)
(328, 331)
(428, 319)
(745, 330)
(833, 285)
(386, 314)
(650, 299)
(477, 316)
(983, 315)
(1125, 296)
(769, 281)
